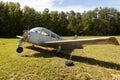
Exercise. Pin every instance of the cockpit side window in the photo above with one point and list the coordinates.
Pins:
(45, 33)
(37, 31)
(54, 36)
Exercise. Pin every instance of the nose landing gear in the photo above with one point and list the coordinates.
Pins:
(19, 49)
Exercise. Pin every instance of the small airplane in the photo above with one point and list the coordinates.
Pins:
(46, 38)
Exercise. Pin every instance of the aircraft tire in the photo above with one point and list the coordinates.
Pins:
(19, 50)
(69, 63)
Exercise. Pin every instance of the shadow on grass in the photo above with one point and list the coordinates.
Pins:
(91, 61)
(47, 53)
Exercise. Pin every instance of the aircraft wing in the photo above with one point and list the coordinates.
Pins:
(78, 42)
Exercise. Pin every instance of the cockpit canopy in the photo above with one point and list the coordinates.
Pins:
(45, 32)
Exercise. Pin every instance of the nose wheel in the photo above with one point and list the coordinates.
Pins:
(19, 49)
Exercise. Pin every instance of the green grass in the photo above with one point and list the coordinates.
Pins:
(96, 62)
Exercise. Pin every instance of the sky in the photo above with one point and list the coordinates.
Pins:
(67, 5)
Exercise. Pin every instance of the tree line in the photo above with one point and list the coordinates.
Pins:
(100, 21)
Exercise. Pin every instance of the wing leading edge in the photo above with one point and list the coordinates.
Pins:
(79, 42)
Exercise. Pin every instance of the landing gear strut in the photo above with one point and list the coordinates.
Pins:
(59, 51)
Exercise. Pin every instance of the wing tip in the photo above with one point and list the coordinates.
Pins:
(114, 41)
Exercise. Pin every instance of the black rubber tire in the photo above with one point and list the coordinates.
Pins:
(19, 49)
(69, 63)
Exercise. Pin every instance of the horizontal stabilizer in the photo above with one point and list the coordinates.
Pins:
(75, 37)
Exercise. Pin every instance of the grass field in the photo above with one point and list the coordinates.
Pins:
(96, 62)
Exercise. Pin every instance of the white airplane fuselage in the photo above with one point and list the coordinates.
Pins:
(44, 37)
(40, 35)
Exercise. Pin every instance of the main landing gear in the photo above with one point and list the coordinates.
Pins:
(59, 51)
(69, 62)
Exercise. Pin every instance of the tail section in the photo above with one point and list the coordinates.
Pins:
(75, 37)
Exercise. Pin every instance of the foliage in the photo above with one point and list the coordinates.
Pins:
(100, 21)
